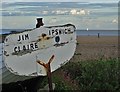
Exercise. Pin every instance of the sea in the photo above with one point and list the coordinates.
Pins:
(78, 32)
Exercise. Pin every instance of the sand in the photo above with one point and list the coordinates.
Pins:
(92, 48)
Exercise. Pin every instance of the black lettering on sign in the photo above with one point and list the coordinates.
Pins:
(23, 37)
(69, 30)
(19, 38)
(59, 31)
(28, 47)
(19, 48)
(31, 46)
(26, 37)
(15, 49)
(52, 32)
(24, 48)
(65, 31)
(36, 46)
(56, 31)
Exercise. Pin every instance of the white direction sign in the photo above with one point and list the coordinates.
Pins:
(22, 50)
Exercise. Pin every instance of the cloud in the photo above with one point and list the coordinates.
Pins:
(45, 12)
(73, 11)
(79, 12)
(114, 21)
(61, 11)
(82, 12)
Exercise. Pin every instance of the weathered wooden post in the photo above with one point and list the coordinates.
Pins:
(48, 71)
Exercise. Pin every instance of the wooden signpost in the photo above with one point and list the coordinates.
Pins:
(26, 53)
(48, 70)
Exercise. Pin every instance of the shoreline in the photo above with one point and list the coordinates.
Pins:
(2, 36)
(92, 48)
(96, 40)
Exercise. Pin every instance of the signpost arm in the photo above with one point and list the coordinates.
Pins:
(48, 71)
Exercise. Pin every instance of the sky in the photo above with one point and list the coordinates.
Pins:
(83, 15)
(60, 0)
